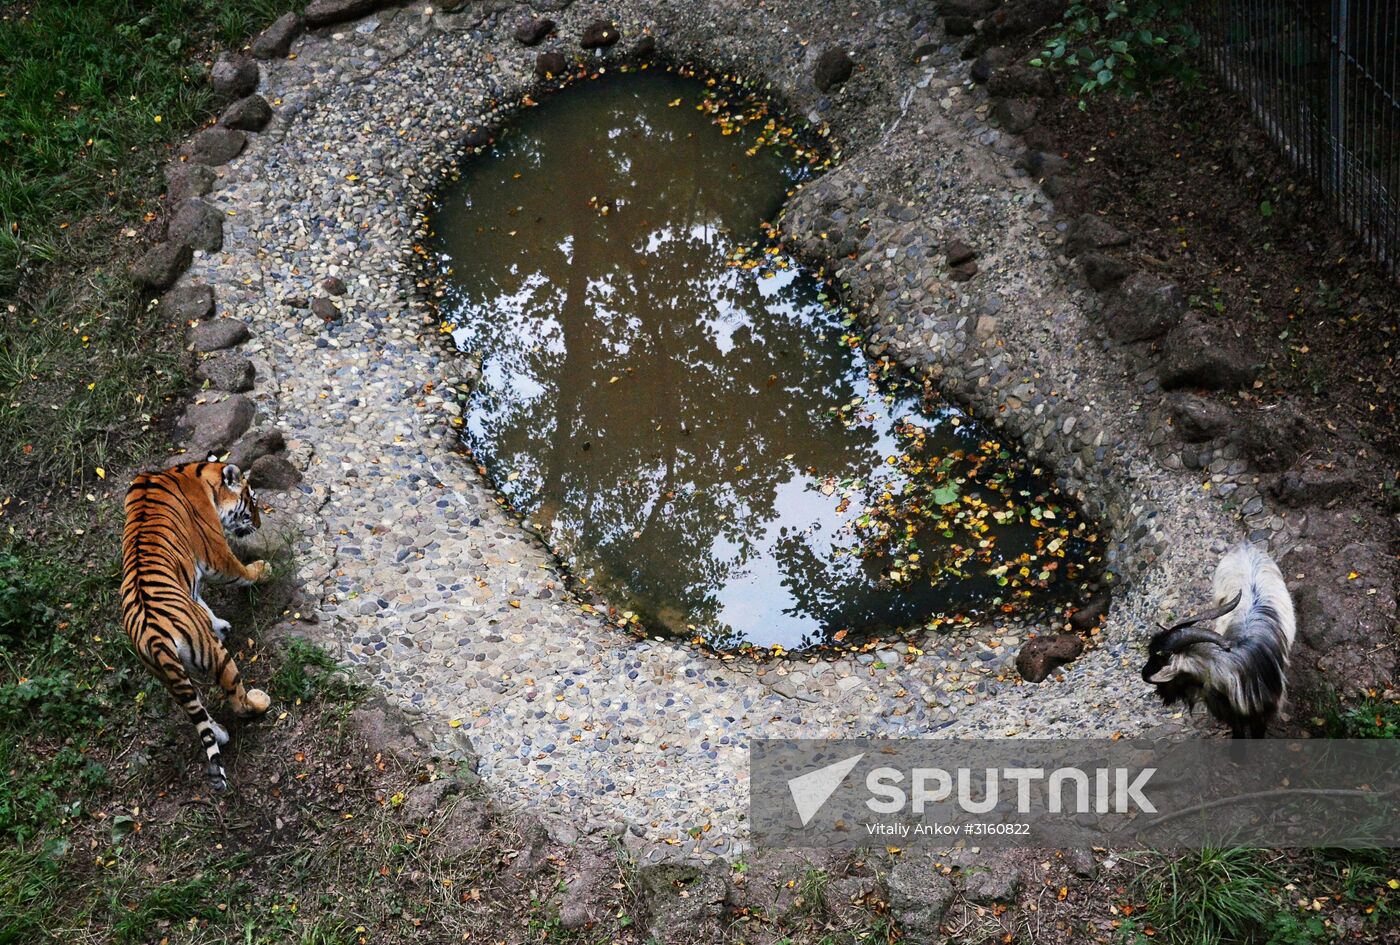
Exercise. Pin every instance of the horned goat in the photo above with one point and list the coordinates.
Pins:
(1239, 670)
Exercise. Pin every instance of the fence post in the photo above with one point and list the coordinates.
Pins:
(1337, 106)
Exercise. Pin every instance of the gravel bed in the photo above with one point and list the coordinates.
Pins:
(420, 577)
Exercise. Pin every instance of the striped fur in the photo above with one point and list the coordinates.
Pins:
(174, 540)
(1239, 671)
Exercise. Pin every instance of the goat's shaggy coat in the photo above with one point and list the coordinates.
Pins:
(1240, 671)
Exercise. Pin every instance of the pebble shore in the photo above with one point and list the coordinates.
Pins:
(421, 578)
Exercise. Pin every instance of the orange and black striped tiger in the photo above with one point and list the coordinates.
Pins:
(174, 539)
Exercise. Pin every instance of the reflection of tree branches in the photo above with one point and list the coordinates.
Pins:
(607, 334)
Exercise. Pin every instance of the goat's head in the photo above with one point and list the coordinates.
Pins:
(1173, 651)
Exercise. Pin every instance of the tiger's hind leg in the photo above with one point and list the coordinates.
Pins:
(218, 661)
(168, 666)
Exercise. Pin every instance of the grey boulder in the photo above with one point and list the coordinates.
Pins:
(1145, 306)
(276, 41)
(230, 372)
(187, 303)
(247, 114)
(234, 75)
(214, 146)
(218, 334)
(213, 426)
(198, 225)
(161, 265)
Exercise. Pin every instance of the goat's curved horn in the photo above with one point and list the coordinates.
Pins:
(1218, 611)
(1184, 637)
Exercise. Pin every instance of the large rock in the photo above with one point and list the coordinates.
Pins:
(247, 114)
(187, 303)
(1015, 114)
(1041, 656)
(213, 426)
(1020, 81)
(214, 146)
(254, 445)
(600, 34)
(533, 32)
(1013, 20)
(1275, 436)
(1314, 485)
(1145, 306)
(919, 897)
(230, 372)
(1102, 271)
(683, 898)
(958, 252)
(550, 65)
(218, 334)
(1090, 232)
(329, 12)
(276, 41)
(234, 75)
(999, 881)
(381, 726)
(958, 26)
(1207, 353)
(423, 800)
(1342, 629)
(988, 64)
(1091, 614)
(1196, 418)
(275, 473)
(161, 265)
(1040, 164)
(184, 180)
(587, 883)
(198, 226)
(833, 67)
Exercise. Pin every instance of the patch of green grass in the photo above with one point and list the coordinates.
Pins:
(94, 92)
(29, 889)
(811, 892)
(178, 900)
(1207, 897)
(90, 89)
(308, 672)
(84, 369)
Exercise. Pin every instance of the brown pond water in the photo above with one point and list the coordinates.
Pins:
(693, 433)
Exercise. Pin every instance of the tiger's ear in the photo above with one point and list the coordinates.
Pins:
(232, 474)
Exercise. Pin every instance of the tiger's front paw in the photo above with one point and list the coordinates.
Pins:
(257, 570)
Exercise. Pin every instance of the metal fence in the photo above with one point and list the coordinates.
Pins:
(1323, 78)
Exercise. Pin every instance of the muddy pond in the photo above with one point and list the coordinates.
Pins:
(683, 414)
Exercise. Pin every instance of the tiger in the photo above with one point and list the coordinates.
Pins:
(174, 537)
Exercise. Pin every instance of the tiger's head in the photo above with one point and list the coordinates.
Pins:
(236, 503)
